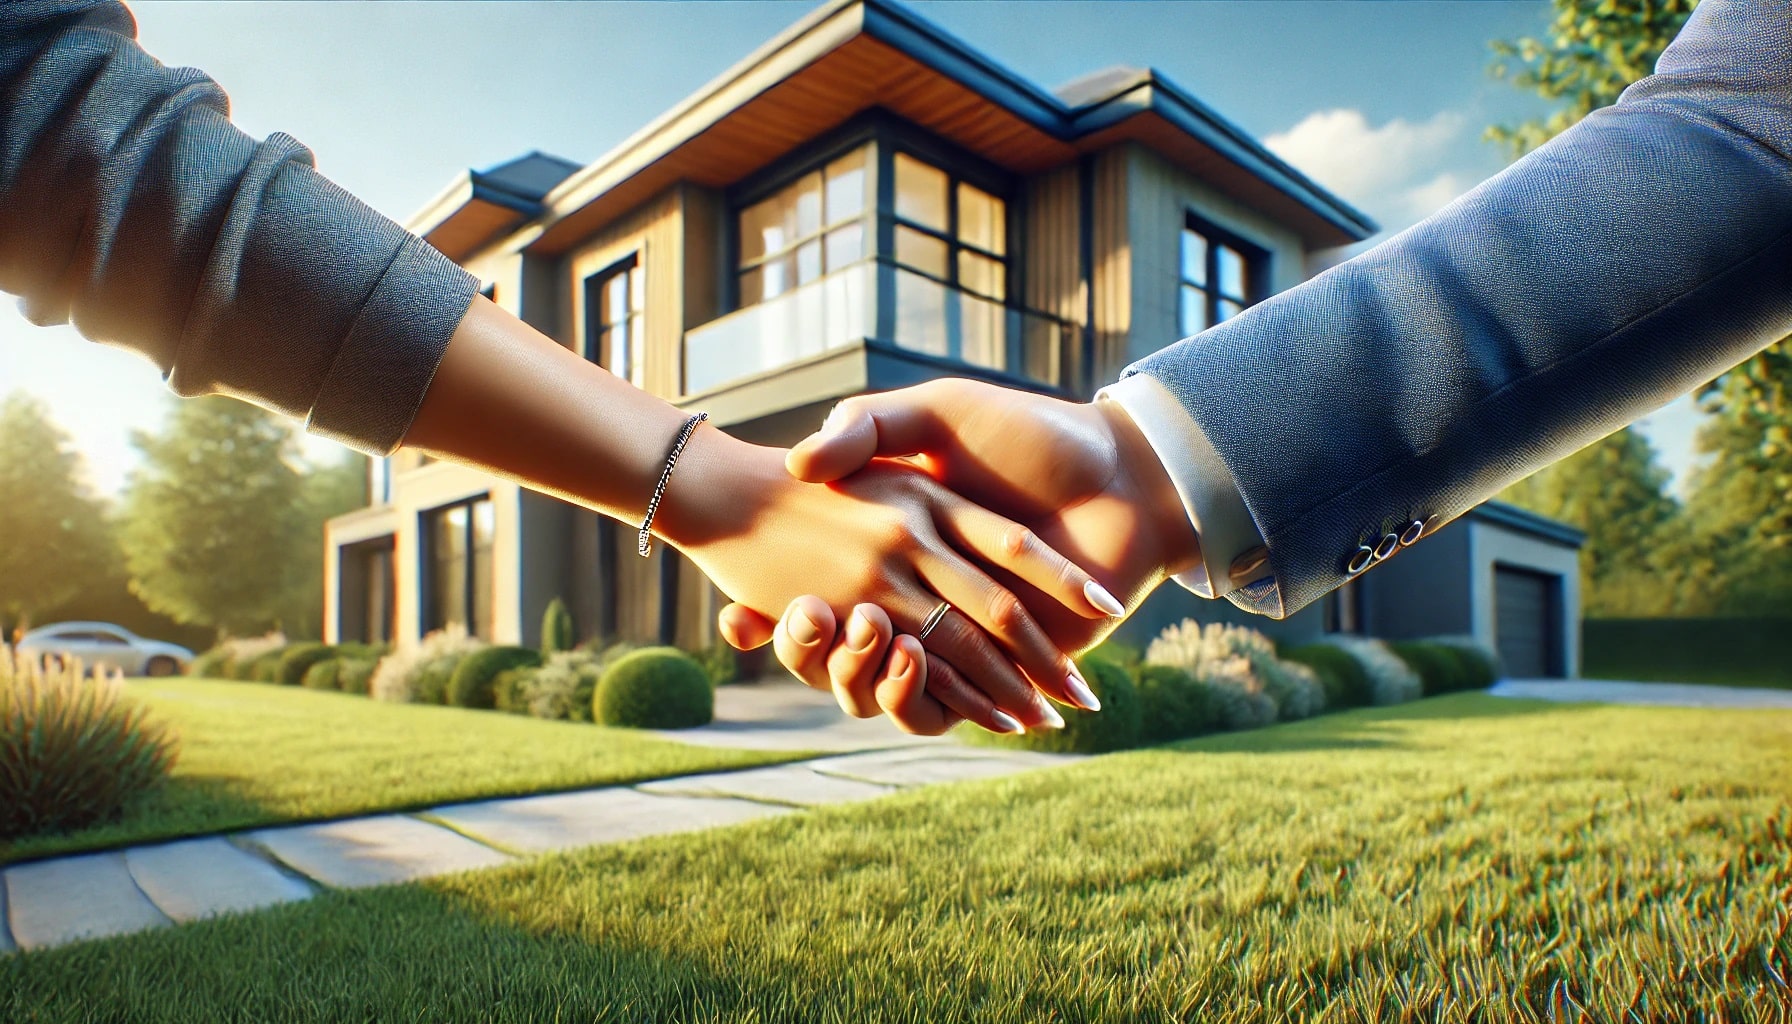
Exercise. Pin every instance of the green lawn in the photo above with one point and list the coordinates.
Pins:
(1460, 859)
(255, 754)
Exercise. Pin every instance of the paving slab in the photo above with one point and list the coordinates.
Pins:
(786, 783)
(926, 766)
(782, 714)
(381, 850)
(1609, 691)
(199, 878)
(90, 896)
(537, 824)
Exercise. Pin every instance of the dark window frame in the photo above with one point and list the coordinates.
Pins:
(1256, 268)
(427, 533)
(595, 346)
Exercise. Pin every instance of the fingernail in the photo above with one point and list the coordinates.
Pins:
(803, 629)
(1050, 719)
(859, 633)
(1080, 690)
(1005, 723)
(1099, 597)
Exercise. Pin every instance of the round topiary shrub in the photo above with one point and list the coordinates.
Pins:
(471, 685)
(1480, 665)
(433, 678)
(1172, 706)
(323, 675)
(355, 675)
(1439, 670)
(1346, 684)
(213, 664)
(263, 668)
(1115, 727)
(655, 688)
(510, 690)
(297, 659)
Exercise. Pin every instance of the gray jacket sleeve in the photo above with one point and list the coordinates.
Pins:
(1633, 258)
(132, 208)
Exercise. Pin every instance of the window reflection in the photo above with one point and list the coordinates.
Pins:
(806, 230)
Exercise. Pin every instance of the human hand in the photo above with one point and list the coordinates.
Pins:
(1081, 477)
(891, 537)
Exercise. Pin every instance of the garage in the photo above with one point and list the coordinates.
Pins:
(1525, 618)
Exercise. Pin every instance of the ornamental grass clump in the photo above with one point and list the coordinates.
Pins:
(562, 687)
(72, 752)
(420, 674)
(1391, 681)
(232, 657)
(1252, 686)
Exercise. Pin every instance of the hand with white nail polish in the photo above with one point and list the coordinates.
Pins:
(1078, 478)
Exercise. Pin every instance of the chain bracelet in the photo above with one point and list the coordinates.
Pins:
(645, 545)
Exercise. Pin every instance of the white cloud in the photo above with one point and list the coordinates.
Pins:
(1394, 171)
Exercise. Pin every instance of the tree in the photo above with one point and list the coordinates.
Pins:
(53, 538)
(1614, 491)
(213, 519)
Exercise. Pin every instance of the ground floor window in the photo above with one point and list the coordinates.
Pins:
(368, 592)
(457, 566)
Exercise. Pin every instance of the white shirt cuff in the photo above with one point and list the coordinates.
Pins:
(1207, 489)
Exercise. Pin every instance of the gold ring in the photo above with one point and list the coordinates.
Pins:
(933, 619)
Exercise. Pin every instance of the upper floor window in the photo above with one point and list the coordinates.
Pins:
(949, 229)
(1221, 275)
(806, 230)
(614, 299)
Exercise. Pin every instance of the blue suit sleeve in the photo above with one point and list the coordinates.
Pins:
(1633, 258)
(132, 208)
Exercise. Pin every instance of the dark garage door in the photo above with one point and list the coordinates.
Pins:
(1525, 622)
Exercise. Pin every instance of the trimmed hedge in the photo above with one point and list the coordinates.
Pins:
(1720, 651)
(1173, 706)
(213, 664)
(297, 659)
(1115, 727)
(323, 675)
(1439, 669)
(1346, 684)
(432, 679)
(655, 688)
(471, 685)
(355, 675)
(263, 668)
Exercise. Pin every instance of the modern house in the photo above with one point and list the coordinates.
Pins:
(862, 204)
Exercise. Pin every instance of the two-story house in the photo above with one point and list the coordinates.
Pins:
(862, 204)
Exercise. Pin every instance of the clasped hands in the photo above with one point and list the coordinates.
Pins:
(1042, 522)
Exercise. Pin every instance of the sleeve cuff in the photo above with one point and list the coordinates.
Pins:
(1207, 489)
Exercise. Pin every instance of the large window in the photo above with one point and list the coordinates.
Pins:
(806, 230)
(458, 566)
(613, 303)
(1221, 275)
(950, 229)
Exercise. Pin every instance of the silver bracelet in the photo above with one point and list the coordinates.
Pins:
(645, 545)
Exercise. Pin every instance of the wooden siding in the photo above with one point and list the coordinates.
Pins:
(652, 234)
(1111, 253)
(1051, 244)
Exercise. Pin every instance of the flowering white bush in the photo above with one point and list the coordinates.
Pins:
(1391, 681)
(1242, 665)
(1294, 687)
(553, 690)
(1238, 690)
(398, 673)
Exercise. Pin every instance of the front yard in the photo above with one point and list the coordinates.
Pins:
(255, 755)
(1462, 858)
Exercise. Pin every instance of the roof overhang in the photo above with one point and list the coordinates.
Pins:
(478, 207)
(1525, 521)
(853, 55)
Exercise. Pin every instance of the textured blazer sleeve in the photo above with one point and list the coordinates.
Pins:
(1636, 256)
(132, 208)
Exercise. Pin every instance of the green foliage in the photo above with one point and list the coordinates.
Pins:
(471, 685)
(324, 675)
(1346, 683)
(434, 677)
(562, 688)
(1439, 669)
(400, 677)
(557, 632)
(213, 664)
(1592, 52)
(326, 491)
(719, 662)
(655, 688)
(72, 752)
(1755, 652)
(585, 678)
(1117, 726)
(54, 540)
(1253, 687)
(1127, 656)
(1172, 705)
(212, 525)
(297, 659)
(510, 690)
(353, 675)
(263, 668)
(1479, 663)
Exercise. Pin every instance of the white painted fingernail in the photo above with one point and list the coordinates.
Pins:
(1080, 690)
(1099, 597)
(1052, 720)
(1005, 722)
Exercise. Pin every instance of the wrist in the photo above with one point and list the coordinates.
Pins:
(1142, 478)
(716, 489)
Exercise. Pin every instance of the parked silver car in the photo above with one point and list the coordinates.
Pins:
(104, 645)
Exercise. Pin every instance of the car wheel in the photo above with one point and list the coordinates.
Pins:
(161, 665)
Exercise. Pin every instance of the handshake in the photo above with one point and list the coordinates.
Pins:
(939, 551)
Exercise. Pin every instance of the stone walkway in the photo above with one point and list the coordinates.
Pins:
(48, 903)
(1608, 691)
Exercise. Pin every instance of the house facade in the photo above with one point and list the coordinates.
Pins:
(862, 204)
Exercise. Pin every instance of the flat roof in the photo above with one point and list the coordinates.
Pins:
(1500, 513)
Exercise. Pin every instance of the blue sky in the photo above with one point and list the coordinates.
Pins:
(1384, 102)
